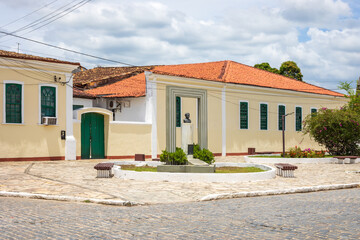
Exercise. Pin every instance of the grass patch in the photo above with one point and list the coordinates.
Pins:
(139, 169)
(237, 170)
(217, 170)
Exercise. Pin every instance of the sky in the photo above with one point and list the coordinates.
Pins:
(321, 36)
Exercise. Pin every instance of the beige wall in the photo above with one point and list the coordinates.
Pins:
(31, 139)
(239, 140)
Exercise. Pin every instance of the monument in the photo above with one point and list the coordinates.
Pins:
(187, 134)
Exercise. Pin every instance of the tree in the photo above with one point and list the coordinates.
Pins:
(266, 66)
(291, 70)
(337, 129)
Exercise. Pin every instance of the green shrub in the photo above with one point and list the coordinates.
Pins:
(337, 130)
(176, 158)
(204, 154)
(296, 152)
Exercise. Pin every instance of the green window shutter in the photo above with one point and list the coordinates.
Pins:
(13, 103)
(281, 113)
(48, 101)
(178, 112)
(263, 116)
(298, 117)
(76, 107)
(244, 115)
(313, 110)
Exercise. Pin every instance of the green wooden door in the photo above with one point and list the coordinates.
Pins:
(92, 136)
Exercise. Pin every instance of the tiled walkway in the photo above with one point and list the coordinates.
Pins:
(78, 178)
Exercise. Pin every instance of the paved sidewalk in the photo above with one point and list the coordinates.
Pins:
(78, 179)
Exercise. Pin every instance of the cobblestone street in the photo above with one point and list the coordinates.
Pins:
(320, 215)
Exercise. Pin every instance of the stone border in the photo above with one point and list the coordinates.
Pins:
(250, 159)
(279, 192)
(68, 198)
(199, 177)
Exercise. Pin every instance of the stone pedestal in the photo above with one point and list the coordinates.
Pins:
(187, 136)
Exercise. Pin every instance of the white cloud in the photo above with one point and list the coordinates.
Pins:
(315, 12)
(171, 32)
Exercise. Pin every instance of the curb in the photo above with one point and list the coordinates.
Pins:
(69, 198)
(212, 197)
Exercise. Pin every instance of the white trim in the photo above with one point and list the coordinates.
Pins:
(248, 117)
(267, 116)
(22, 101)
(56, 99)
(223, 124)
(70, 141)
(130, 122)
(281, 104)
(301, 117)
(153, 101)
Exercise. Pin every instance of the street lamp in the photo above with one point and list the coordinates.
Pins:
(283, 130)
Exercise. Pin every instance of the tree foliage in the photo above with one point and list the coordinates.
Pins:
(266, 66)
(291, 70)
(288, 69)
(337, 129)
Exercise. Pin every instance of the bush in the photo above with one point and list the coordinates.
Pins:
(176, 158)
(337, 130)
(296, 152)
(204, 155)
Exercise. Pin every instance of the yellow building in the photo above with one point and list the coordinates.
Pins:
(36, 108)
(233, 107)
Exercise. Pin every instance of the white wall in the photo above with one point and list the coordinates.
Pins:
(135, 113)
(83, 101)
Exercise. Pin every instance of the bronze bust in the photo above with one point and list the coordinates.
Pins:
(187, 118)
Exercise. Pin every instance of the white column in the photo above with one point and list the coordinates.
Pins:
(151, 107)
(70, 142)
(223, 121)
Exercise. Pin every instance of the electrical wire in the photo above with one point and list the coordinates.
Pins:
(18, 19)
(66, 49)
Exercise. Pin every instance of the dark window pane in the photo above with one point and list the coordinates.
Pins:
(178, 112)
(13, 103)
(244, 115)
(281, 113)
(263, 116)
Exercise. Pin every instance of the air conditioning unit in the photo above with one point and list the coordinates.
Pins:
(49, 120)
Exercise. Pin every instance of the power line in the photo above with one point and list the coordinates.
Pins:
(16, 20)
(68, 50)
(53, 18)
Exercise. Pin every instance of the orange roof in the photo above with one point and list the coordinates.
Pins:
(130, 87)
(237, 73)
(223, 71)
(82, 94)
(8, 54)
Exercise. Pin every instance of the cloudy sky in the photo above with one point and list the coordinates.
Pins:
(321, 36)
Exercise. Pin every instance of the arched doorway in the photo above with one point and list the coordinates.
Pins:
(92, 136)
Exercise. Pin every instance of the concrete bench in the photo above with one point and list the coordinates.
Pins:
(285, 169)
(104, 170)
(341, 159)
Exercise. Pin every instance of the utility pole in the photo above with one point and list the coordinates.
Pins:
(18, 47)
(283, 130)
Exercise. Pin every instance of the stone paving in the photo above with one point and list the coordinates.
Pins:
(78, 178)
(319, 215)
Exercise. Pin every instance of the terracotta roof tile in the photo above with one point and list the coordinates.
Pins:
(134, 86)
(8, 54)
(237, 73)
(130, 81)
(82, 94)
(104, 75)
